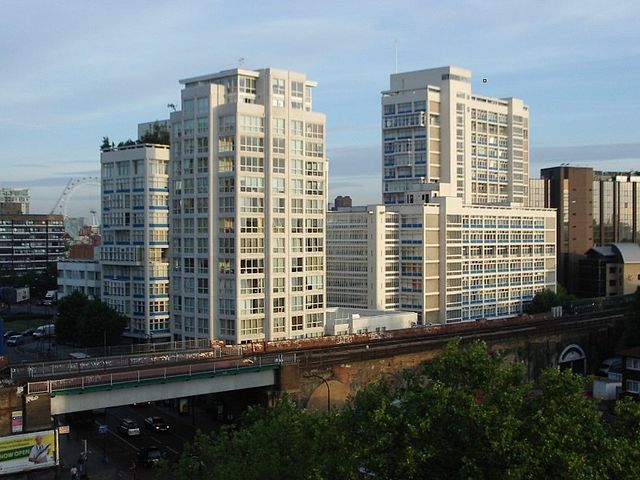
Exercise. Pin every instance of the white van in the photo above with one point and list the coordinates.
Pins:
(45, 331)
(78, 356)
(51, 298)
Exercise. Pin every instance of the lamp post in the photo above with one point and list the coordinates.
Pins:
(313, 375)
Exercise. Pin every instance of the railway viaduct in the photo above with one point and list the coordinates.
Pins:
(312, 370)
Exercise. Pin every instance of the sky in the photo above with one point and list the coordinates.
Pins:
(75, 71)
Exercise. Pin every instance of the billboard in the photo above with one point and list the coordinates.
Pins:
(28, 451)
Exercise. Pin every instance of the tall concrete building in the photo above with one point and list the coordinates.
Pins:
(134, 255)
(447, 261)
(455, 241)
(435, 130)
(248, 198)
(16, 195)
(29, 243)
(570, 192)
(594, 209)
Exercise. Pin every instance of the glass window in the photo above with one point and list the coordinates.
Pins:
(278, 86)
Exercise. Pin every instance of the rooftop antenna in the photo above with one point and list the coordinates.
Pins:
(240, 62)
(171, 105)
(395, 42)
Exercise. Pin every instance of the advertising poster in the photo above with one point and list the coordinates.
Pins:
(16, 421)
(29, 451)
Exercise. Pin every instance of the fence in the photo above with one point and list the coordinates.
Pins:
(66, 367)
(153, 375)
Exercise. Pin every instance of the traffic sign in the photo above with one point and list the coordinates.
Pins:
(103, 428)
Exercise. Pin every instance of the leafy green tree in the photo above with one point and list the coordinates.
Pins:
(466, 414)
(88, 322)
(99, 325)
(282, 442)
(70, 308)
(545, 299)
(106, 143)
(126, 143)
(158, 135)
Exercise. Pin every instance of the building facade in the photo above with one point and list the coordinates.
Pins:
(16, 195)
(616, 207)
(631, 372)
(570, 192)
(248, 200)
(448, 261)
(610, 270)
(30, 243)
(363, 252)
(347, 321)
(79, 275)
(134, 255)
(594, 209)
(435, 130)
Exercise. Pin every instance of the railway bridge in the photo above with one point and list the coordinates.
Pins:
(316, 372)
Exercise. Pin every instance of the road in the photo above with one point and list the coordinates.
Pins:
(121, 449)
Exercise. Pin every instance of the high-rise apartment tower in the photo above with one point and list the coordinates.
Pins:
(248, 198)
(435, 130)
(135, 279)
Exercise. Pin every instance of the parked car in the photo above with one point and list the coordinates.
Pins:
(45, 331)
(15, 340)
(129, 427)
(149, 456)
(28, 332)
(610, 364)
(10, 333)
(156, 423)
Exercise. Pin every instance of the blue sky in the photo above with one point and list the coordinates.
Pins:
(75, 71)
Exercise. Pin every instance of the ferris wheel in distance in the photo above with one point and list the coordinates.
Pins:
(60, 207)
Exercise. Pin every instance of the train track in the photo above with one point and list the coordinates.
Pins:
(363, 347)
(321, 357)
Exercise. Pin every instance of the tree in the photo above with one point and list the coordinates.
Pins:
(281, 442)
(100, 325)
(70, 308)
(158, 135)
(106, 143)
(545, 299)
(88, 322)
(126, 143)
(466, 414)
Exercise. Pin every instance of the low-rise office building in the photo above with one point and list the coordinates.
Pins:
(79, 275)
(631, 372)
(610, 270)
(445, 260)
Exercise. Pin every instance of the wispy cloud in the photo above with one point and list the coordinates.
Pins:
(73, 73)
(600, 157)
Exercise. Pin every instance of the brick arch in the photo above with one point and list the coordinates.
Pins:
(318, 398)
(574, 358)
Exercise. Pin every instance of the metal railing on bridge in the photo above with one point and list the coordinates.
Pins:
(66, 367)
(131, 378)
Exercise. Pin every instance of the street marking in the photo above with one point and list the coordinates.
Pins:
(125, 441)
(119, 437)
(171, 449)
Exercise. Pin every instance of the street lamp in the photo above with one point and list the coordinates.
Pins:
(313, 375)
